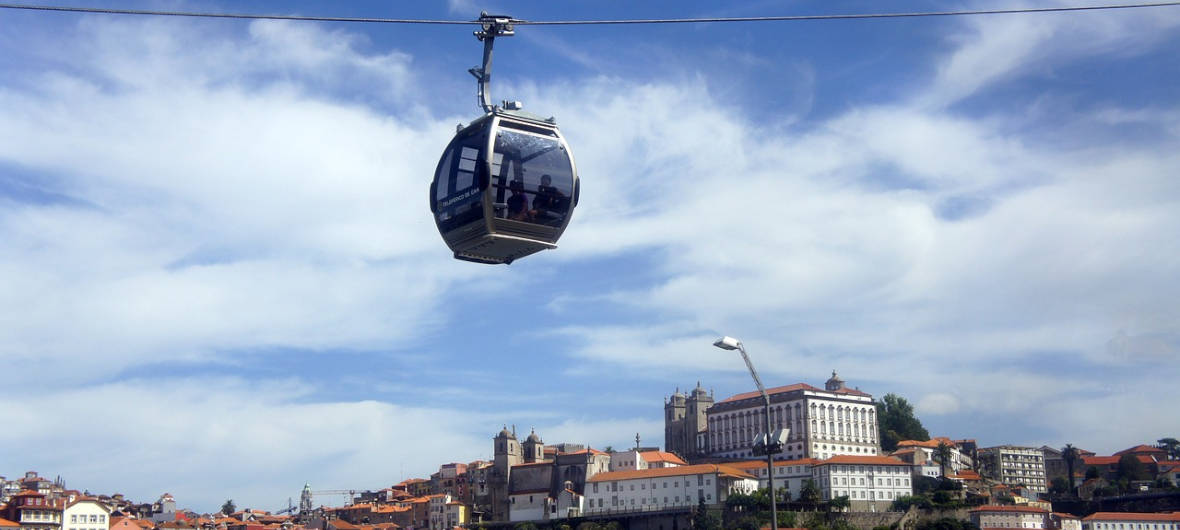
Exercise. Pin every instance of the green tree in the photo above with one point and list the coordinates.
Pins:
(525, 526)
(1130, 468)
(1059, 486)
(1069, 453)
(839, 504)
(228, 507)
(703, 519)
(942, 455)
(896, 420)
(809, 494)
(1172, 446)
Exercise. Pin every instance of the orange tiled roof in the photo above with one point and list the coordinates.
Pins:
(662, 456)
(1131, 516)
(761, 464)
(997, 508)
(864, 459)
(966, 474)
(1066, 515)
(697, 469)
(930, 444)
(1141, 449)
(5, 523)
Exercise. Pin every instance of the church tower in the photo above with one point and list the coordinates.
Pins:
(534, 449)
(674, 409)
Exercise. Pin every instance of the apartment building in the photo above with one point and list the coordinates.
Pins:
(1014, 466)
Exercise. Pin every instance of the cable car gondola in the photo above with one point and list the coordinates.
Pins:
(506, 185)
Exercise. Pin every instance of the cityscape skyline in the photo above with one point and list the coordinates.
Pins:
(220, 264)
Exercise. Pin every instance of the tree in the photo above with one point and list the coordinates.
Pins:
(942, 455)
(1069, 453)
(1092, 472)
(1130, 468)
(809, 493)
(1059, 486)
(702, 519)
(1172, 446)
(228, 507)
(897, 422)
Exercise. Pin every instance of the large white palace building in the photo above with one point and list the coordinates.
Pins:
(834, 420)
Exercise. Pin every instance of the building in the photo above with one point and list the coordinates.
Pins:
(1065, 521)
(1015, 466)
(922, 457)
(528, 480)
(1010, 516)
(789, 475)
(665, 488)
(446, 512)
(871, 483)
(636, 459)
(822, 423)
(86, 514)
(33, 511)
(1131, 521)
(685, 422)
(449, 479)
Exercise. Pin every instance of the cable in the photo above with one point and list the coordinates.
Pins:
(786, 18)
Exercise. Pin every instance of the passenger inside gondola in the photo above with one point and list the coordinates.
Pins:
(549, 203)
(518, 209)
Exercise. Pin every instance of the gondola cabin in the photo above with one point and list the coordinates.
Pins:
(504, 188)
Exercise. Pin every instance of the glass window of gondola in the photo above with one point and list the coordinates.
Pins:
(457, 192)
(532, 177)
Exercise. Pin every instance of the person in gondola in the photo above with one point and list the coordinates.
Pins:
(518, 204)
(547, 205)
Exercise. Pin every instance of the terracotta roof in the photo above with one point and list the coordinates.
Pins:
(1132, 516)
(761, 464)
(770, 392)
(698, 469)
(661, 456)
(997, 508)
(931, 443)
(5, 523)
(341, 524)
(1141, 449)
(864, 459)
(1113, 460)
(1066, 515)
(966, 474)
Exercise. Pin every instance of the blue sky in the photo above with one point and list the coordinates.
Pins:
(222, 280)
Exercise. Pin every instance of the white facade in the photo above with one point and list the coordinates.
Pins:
(822, 422)
(627, 461)
(663, 488)
(871, 483)
(528, 505)
(789, 475)
(86, 514)
(991, 516)
(1131, 521)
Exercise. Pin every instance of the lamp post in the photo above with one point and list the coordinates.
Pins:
(730, 343)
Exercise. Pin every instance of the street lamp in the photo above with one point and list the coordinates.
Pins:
(771, 445)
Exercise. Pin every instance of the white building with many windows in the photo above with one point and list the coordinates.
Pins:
(871, 483)
(789, 475)
(834, 420)
(1131, 521)
(86, 514)
(656, 489)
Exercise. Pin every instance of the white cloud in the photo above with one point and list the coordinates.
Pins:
(198, 438)
(938, 404)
